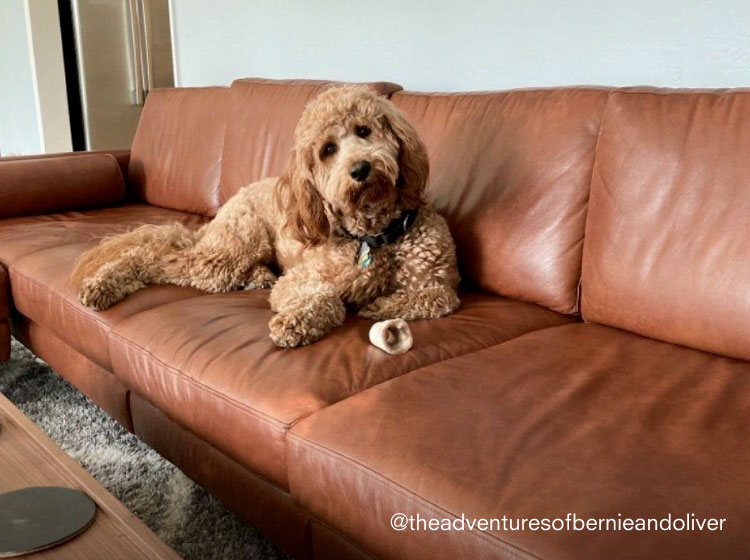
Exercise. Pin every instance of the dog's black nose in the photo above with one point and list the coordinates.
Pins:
(360, 171)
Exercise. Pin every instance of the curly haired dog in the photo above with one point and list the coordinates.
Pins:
(346, 224)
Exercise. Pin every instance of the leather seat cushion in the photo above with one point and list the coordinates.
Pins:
(580, 419)
(209, 364)
(40, 253)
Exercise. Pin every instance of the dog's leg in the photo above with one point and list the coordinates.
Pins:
(260, 277)
(124, 263)
(427, 278)
(113, 282)
(305, 310)
(229, 254)
(410, 305)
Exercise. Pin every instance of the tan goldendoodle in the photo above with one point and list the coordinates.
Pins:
(346, 225)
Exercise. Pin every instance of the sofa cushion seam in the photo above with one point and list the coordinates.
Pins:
(594, 161)
(280, 426)
(427, 366)
(242, 466)
(49, 291)
(105, 326)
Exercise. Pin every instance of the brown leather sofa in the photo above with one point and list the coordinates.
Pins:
(598, 364)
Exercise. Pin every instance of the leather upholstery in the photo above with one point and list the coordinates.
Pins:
(22, 236)
(208, 363)
(256, 500)
(580, 419)
(53, 184)
(41, 253)
(122, 157)
(505, 408)
(261, 124)
(96, 383)
(511, 172)
(667, 239)
(175, 160)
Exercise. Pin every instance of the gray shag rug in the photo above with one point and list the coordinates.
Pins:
(182, 513)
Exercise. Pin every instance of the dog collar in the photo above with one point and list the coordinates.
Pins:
(398, 227)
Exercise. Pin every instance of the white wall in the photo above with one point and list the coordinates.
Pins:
(459, 45)
(48, 71)
(19, 124)
(33, 100)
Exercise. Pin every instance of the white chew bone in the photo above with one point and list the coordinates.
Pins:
(392, 336)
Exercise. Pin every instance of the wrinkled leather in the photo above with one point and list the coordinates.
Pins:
(259, 502)
(668, 232)
(41, 253)
(260, 126)
(175, 159)
(511, 172)
(581, 418)
(53, 184)
(209, 363)
(93, 381)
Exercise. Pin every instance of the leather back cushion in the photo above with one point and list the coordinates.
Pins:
(261, 125)
(511, 172)
(175, 160)
(667, 251)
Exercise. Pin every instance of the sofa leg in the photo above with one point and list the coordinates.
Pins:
(5, 307)
(4, 340)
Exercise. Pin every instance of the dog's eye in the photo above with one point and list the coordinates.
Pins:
(329, 149)
(363, 131)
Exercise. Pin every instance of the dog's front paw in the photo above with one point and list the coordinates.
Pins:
(98, 295)
(260, 278)
(289, 330)
(379, 309)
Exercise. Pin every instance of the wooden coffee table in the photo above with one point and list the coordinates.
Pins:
(29, 458)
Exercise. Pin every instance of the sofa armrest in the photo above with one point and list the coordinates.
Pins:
(38, 185)
(122, 157)
(4, 315)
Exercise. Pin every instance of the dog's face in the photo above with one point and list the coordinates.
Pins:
(356, 164)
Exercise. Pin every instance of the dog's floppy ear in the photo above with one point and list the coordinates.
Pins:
(414, 167)
(300, 202)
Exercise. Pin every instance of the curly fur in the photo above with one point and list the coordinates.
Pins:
(302, 224)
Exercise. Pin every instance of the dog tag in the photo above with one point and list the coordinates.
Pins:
(365, 256)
